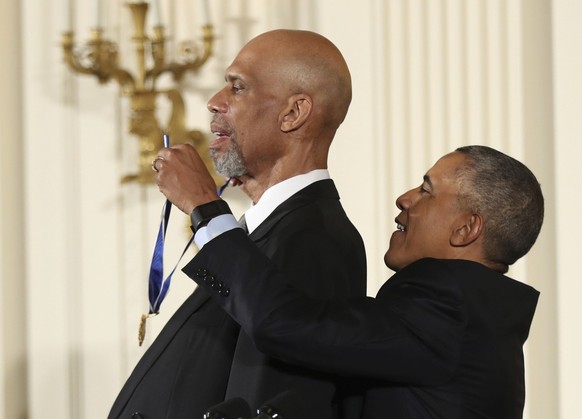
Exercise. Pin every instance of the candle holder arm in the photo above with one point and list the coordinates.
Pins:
(98, 57)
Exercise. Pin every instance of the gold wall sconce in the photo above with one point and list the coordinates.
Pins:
(100, 57)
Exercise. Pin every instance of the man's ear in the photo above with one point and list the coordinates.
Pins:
(468, 231)
(298, 109)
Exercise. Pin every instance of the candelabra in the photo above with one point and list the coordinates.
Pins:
(99, 57)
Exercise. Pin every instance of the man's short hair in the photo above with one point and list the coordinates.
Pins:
(508, 197)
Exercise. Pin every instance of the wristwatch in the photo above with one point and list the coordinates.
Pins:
(202, 214)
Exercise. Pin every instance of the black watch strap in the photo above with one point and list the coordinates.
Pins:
(202, 214)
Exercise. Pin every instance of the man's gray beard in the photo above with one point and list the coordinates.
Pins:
(230, 163)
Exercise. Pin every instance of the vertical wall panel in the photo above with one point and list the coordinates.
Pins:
(567, 50)
(414, 61)
(13, 326)
(456, 72)
(397, 95)
(476, 70)
(383, 151)
(515, 73)
(435, 72)
(496, 71)
(538, 152)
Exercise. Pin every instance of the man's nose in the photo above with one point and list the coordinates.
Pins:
(215, 105)
(403, 201)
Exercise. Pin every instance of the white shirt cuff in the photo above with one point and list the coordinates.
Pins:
(214, 228)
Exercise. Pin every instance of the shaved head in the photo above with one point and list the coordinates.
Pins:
(306, 62)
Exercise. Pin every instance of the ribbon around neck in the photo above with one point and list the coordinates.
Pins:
(158, 286)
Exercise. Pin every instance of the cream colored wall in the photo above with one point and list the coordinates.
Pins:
(568, 205)
(13, 370)
(428, 76)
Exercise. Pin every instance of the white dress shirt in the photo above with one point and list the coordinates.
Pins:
(255, 215)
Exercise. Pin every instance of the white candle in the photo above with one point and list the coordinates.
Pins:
(205, 12)
(69, 23)
(156, 12)
(98, 15)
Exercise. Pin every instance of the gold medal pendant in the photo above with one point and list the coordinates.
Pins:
(142, 327)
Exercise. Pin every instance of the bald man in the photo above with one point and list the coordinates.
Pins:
(286, 94)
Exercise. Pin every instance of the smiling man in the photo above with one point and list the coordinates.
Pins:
(444, 336)
(465, 191)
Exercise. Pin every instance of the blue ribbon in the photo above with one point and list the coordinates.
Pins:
(158, 287)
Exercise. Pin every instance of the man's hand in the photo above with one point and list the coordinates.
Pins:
(183, 177)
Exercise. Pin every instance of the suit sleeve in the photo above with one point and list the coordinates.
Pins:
(409, 334)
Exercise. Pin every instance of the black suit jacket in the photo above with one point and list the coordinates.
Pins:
(442, 339)
(201, 357)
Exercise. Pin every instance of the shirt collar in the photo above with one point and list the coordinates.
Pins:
(279, 193)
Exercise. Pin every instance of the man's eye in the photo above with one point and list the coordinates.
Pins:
(422, 189)
(236, 88)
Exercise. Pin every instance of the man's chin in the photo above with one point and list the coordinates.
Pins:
(393, 262)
